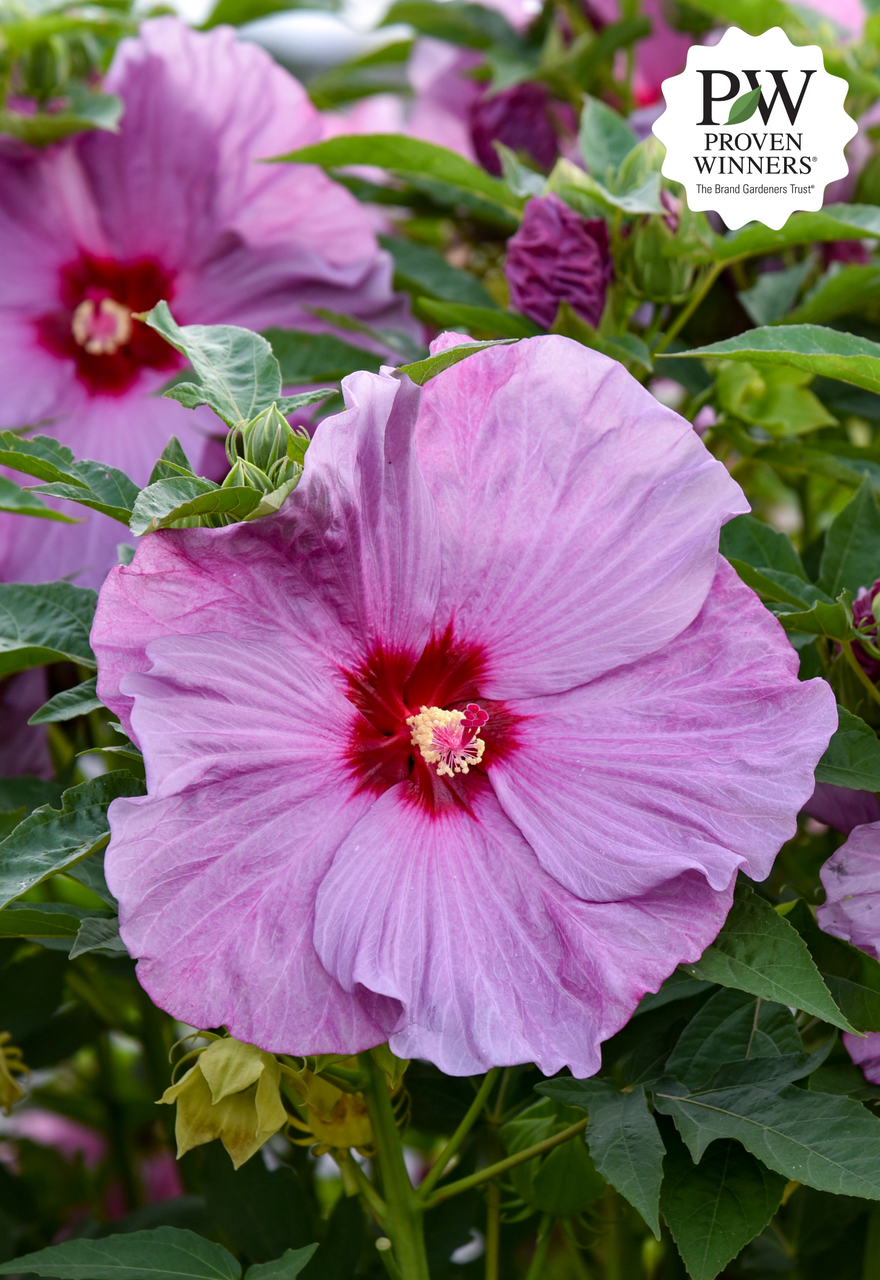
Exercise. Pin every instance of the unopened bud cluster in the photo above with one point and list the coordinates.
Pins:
(265, 453)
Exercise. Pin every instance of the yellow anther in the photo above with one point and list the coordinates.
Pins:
(445, 741)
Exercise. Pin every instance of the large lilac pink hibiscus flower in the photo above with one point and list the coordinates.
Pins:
(177, 206)
(464, 748)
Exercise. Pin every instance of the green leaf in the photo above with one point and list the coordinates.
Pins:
(832, 620)
(827, 1142)
(589, 54)
(748, 539)
(168, 1253)
(424, 370)
(237, 12)
(172, 462)
(852, 976)
(678, 986)
(286, 1267)
(730, 1026)
(102, 488)
(470, 25)
(759, 952)
(604, 138)
(851, 556)
(774, 293)
(783, 588)
(593, 199)
(622, 1138)
(853, 755)
(45, 622)
(161, 504)
(88, 110)
(416, 160)
(623, 347)
(28, 793)
(803, 346)
(841, 290)
(98, 933)
(421, 270)
(564, 1182)
(383, 70)
(78, 701)
(744, 107)
(523, 181)
(713, 1209)
(239, 375)
(21, 502)
(40, 920)
(52, 839)
(833, 222)
(317, 357)
(40, 456)
(482, 320)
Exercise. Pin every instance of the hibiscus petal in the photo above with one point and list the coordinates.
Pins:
(697, 757)
(493, 961)
(579, 517)
(216, 869)
(851, 878)
(205, 108)
(352, 559)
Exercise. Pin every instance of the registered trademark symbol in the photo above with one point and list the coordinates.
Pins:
(815, 158)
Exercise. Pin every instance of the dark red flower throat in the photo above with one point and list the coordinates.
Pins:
(95, 323)
(389, 688)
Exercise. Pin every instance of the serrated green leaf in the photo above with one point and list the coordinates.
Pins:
(730, 1026)
(22, 502)
(744, 107)
(39, 456)
(424, 370)
(180, 498)
(774, 293)
(852, 976)
(52, 839)
(713, 1209)
(759, 952)
(40, 920)
(237, 12)
(98, 933)
(167, 1253)
(626, 348)
(852, 758)
(45, 622)
(842, 289)
(782, 588)
(825, 1141)
(172, 462)
(317, 357)
(810, 347)
(851, 555)
(416, 160)
(564, 1182)
(78, 701)
(832, 620)
(470, 25)
(622, 1138)
(287, 1267)
(238, 374)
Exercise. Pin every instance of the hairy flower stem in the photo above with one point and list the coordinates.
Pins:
(493, 1170)
(403, 1219)
(440, 1165)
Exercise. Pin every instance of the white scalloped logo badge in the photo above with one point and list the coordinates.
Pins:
(754, 128)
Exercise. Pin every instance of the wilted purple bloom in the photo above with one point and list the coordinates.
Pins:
(464, 748)
(558, 256)
(851, 878)
(524, 118)
(178, 206)
(841, 807)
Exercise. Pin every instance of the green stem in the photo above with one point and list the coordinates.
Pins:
(493, 1230)
(440, 1165)
(352, 1172)
(403, 1220)
(493, 1170)
(873, 691)
(545, 1231)
(116, 1129)
(688, 310)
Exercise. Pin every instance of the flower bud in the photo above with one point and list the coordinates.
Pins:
(333, 1119)
(243, 474)
(558, 256)
(654, 269)
(233, 1092)
(265, 438)
(10, 1062)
